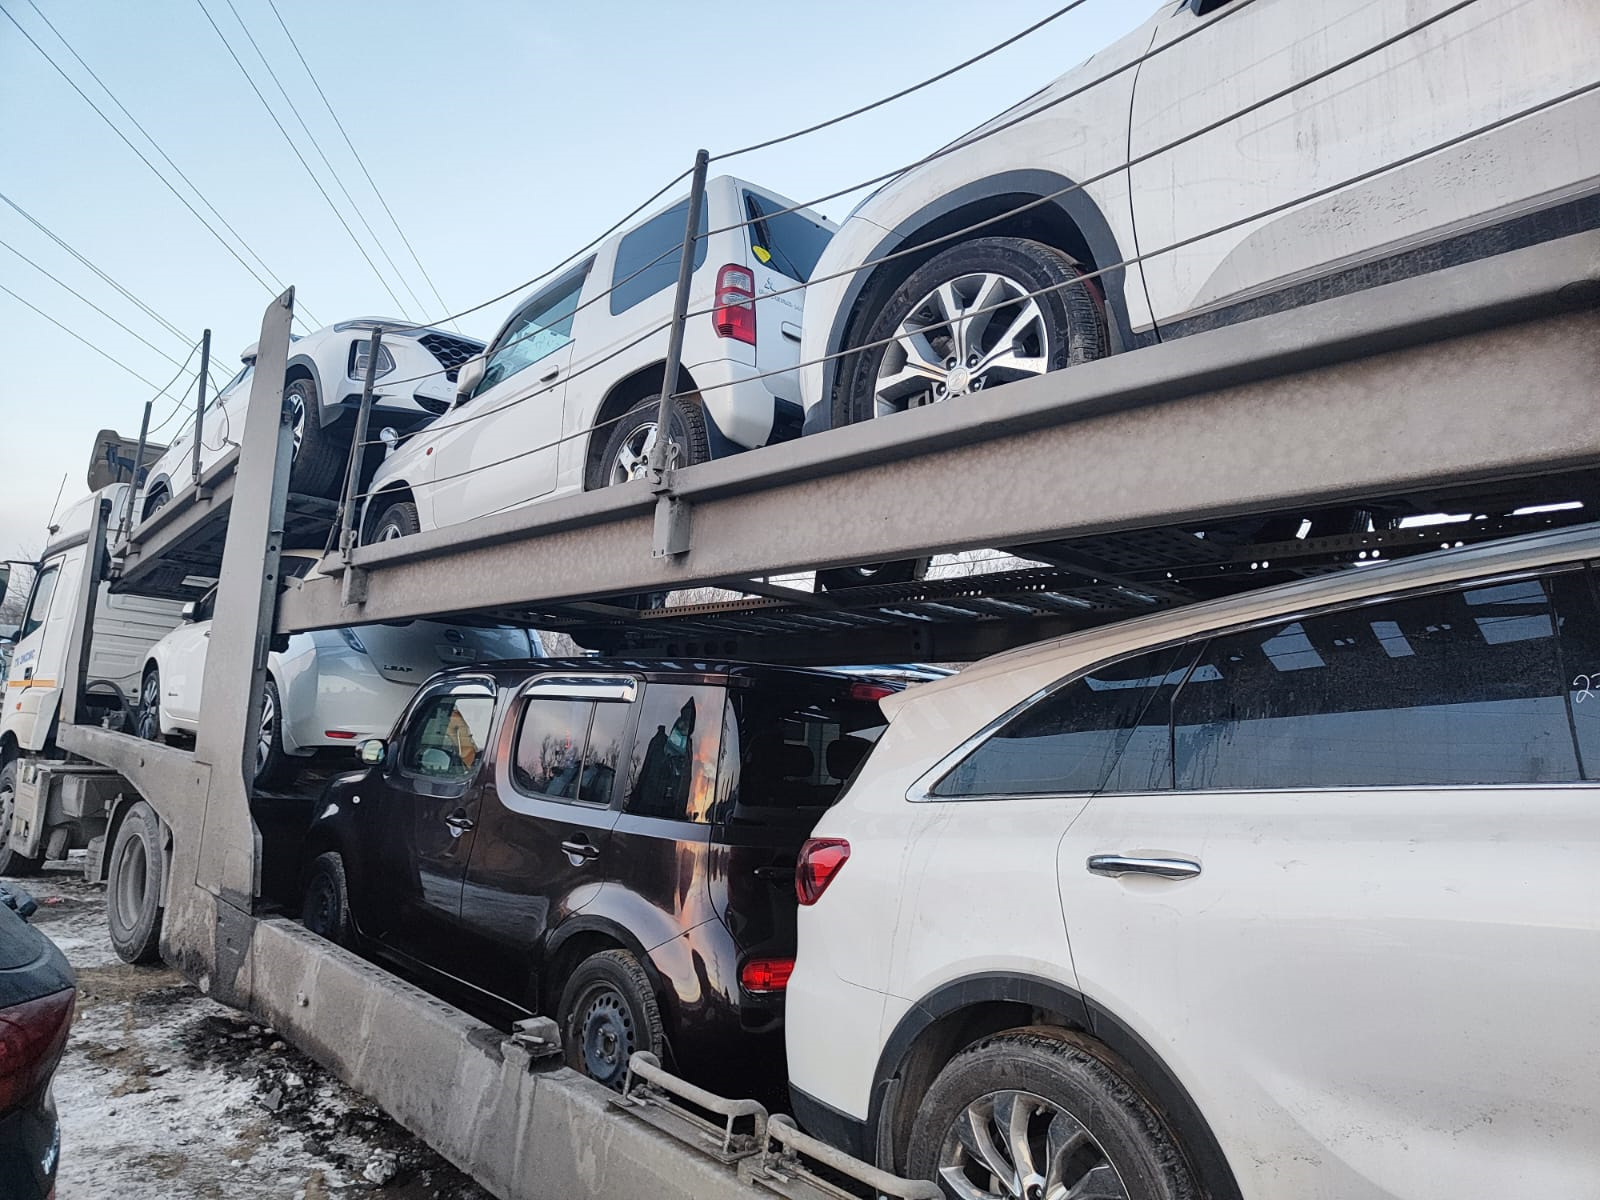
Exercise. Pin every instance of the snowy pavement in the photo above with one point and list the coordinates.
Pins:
(166, 1095)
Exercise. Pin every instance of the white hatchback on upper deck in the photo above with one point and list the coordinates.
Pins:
(565, 398)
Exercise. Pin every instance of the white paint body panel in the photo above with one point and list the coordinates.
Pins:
(525, 438)
(1368, 993)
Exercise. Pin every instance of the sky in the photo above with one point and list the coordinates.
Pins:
(502, 135)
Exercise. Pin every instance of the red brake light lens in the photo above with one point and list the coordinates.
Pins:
(766, 974)
(735, 313)
(820, 860)
(32, 1036)
(870, 691)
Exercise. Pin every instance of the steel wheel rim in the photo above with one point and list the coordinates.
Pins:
(976, 331)
(606, 1036)
(1023, 1147)
(323, 907)
(132, 876)
(632, 459)
(150, 708)
(269, 716)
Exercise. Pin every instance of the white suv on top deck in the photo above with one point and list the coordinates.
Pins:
(565, 398)
(1294, 894)
(1262, 155)
(415, 380)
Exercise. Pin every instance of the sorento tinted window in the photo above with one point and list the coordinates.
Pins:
(673, 769)
(1458, 687)
(785, 241)
(799, 740)
(1070, 739)
(654, 251)
(540, 328)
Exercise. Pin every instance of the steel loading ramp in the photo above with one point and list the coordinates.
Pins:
(1476, 380)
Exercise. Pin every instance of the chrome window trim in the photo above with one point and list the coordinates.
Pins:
(921, 792)
(600, 689)
(608, 688)
(482, 686)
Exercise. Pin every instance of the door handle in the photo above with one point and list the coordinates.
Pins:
(1113, 866)
(459, 823)
(578, 848)
(550, 375)
(791, 331)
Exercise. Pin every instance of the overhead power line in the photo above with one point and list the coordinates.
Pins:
(100, 112)
(356, 154)
(58, 240)
(67, 329)
(312, 175)
(86, 300)
(332, 170)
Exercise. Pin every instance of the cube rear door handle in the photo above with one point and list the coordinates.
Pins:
(1113, 866)
(579, 848)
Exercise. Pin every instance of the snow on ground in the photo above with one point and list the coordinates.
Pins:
(165, 1094)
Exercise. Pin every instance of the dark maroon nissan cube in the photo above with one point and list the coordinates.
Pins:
(611, 843)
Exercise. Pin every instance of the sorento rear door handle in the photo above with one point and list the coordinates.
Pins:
(1114, 866)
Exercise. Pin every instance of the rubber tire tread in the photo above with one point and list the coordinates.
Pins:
(16, 865)
(1075, 311)
(405, 516)
(141, 943)
(1079, 1075)
(330, 863)
(319, 468)
(624, 972)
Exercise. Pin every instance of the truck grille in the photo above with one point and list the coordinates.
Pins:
(451, 351)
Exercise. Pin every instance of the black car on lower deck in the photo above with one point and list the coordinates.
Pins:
(611, 843)
(37, 992)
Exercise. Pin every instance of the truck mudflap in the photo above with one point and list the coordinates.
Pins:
(771, 1152)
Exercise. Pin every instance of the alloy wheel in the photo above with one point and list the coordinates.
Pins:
(632, 460)
(979, 330)
(1023, 1147)
(150, 708)
(297, 420)
(269, 721)
(389, 531)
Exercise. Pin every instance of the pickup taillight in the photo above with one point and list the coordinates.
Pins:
(735, 312)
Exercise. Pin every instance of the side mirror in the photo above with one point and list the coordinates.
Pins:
(390, 437)
(372, 751)
(187, 611)
(470, 376)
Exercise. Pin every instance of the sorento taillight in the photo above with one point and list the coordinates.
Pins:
(32, 1036)
(820, 860)
(735, 313)
(763, 975)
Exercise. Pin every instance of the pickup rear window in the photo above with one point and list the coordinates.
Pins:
(798, 744)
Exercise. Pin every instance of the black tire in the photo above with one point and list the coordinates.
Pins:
(272, 760)
(147, 715)
(1073, 315)
(1075, 1077)
(686, 426)
(155, 502)
(325, 908)
(398, 520)
(11, 863)
(321, 451)
(133, 886)
(608, 1011)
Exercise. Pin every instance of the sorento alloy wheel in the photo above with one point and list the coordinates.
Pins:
(978, 316)
(1043, 1114)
